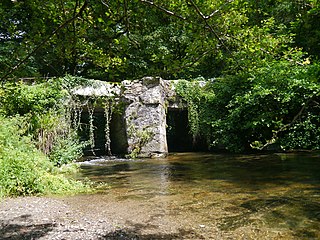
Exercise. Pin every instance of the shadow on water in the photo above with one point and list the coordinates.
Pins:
(277, 191)
(299, 214)
(249, 172)
(106, 170)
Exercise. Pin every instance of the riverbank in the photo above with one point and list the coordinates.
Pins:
(60, 218)
(47, 218)
(78, 217)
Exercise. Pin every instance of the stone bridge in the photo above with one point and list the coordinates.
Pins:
(153, 119)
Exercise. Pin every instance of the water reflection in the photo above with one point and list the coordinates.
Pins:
(275, 195)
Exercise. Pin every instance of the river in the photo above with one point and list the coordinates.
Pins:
(209, 196)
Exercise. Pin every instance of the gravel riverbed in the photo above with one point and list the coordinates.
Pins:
(98, 217)
(62, 218)
(48, 218)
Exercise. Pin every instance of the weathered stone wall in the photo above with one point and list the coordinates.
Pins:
(144, 114)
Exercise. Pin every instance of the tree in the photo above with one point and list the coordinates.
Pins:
(235, 41)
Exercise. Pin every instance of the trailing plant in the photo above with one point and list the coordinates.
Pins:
(76, 103)
(91, 106)
(108, 109)
(190, 93)
(197, 96)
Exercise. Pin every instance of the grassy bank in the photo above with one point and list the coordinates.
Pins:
(24, 170)
(36, 140)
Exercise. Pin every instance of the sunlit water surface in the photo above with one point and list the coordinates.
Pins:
(247, 196)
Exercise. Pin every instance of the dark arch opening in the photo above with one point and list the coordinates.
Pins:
(179, 138)
(119, 144)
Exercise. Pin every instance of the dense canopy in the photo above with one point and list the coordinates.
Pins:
(260, 58)
(125, 39)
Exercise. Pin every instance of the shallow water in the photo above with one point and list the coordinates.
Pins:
(274, 196)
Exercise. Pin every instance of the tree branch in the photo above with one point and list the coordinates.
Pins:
(163, 9)
(63, 25)
(216, 11)
(211, 15)
(105, 4)
(283, 128)
(204, 18)
(126, 17)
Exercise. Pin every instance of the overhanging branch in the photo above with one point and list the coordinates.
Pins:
(216, 11)
(63, 25)
(190, 64)
(163, 9)
(204, 18)
(285, 127)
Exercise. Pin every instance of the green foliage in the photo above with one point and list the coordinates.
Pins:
(20, 98)
(271, 106)
(304, 134)
(66, 150)
(191, 93)
(274, 104)
(174, 39)
(47, 117)
(140, 139)
(24, 170)
(56, 138)
(252, 50)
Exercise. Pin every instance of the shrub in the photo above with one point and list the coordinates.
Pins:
(66, 149)
(47, 116)
(276, 103)
(24, 170)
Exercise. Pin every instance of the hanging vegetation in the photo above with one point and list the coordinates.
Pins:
(37, 138)
(84, 100)
(108, 109)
